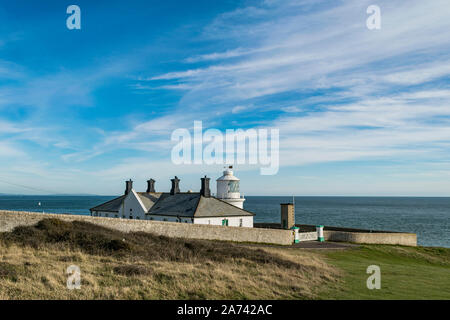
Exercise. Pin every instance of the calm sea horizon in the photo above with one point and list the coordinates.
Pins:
(428, 217)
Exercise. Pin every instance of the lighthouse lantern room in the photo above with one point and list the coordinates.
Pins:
(228, 189)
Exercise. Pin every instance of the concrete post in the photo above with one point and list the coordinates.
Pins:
(296, 235)
(320, 237)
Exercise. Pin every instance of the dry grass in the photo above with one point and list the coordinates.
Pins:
(115, 265)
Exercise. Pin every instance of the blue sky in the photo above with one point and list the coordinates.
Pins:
(360, 112)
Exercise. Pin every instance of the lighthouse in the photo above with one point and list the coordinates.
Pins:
(228, 189)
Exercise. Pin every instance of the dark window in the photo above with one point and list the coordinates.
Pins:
(233, 186)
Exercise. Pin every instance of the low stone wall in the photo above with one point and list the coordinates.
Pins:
(11, 219)
(307, 236)
(397, 238)
(340, 234)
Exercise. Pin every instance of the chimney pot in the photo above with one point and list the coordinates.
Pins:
(151, 185)
(128, 186)
(175, 186)
(205, 191)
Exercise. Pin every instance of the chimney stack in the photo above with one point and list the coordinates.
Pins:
(128, 186)
(175, 186)
(205, 191)
(150, 185)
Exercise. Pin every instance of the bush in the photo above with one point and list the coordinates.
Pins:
(131, 270)
(8, 271)
(93, 239)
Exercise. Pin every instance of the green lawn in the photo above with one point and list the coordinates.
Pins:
(406, 272)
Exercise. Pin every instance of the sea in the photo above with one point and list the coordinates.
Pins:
(428, 217)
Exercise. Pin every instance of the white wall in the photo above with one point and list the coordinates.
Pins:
(247, 221)
(168, 219)
(132, 206)
(105, 214)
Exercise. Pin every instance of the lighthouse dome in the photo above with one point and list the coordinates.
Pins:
(227, 176)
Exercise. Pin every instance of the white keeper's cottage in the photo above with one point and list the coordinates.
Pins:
(184, 207)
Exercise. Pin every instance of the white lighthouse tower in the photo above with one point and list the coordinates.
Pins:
(228, 189)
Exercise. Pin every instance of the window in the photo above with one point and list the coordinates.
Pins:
(123, 217)
(209, 221)
(116, 216)
(131, 217)
(164, 219)
(225, 222)
(233, 186)
(240, 222)
(106, 215)
(139, 218)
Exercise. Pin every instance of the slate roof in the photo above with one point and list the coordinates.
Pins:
(185, 204)
(110, 206)
(213, 207)
(149, 199)
(179, 204)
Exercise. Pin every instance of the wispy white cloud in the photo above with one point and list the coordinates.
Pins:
(311, 48)
(420, 74)
(291, 109)
(390, 128)
(7, 150)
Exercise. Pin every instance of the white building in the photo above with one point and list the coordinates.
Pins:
(228, 189)
(175, 206)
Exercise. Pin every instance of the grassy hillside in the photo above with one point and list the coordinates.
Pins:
(115, 265)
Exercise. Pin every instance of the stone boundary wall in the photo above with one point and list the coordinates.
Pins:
(11, 219)
(307, 236)
(340, 234)
(397, 238)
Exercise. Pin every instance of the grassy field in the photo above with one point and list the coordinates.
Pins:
(406, 272)
(114, 265)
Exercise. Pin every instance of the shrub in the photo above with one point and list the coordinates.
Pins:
(131, 270)
(8, 271)
(94, 239)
